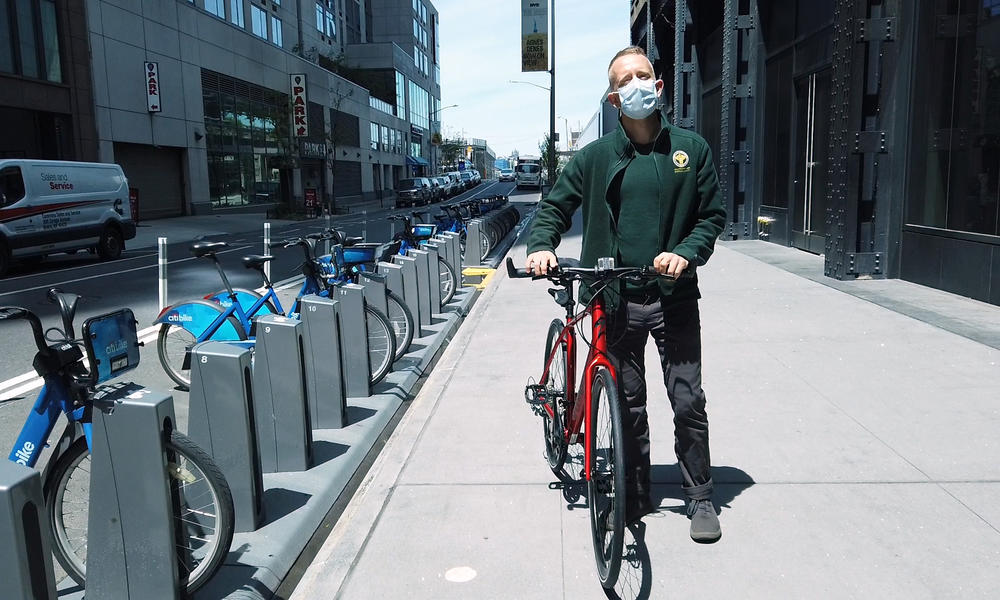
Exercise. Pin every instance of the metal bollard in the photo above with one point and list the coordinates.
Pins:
(354, 339)
(411, 291)
(24, 541)
(284, 434)
(423, 283)
(131, 516)
(161, 250)
(222, 421)
(324, 368)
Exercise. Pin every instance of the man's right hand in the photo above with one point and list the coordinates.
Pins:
(540, 262)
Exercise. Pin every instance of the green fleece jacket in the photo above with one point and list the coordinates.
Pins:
(691, 213)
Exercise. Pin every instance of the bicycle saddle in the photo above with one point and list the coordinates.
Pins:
(200, 249)
(389, 250)
(256, 261)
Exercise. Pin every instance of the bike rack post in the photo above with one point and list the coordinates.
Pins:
(411, 290)
(374, 284)
(433, 260)
(284, 434)
(222, 421)
(353, 339)
(324, 371)
(423, 283)
(24, 544)
(455, 250)
(131, 518)
(444, 249)
(393, 279)
(472, 249)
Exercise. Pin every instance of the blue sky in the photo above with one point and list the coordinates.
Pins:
(481, 52)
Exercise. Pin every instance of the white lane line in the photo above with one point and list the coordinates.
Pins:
(146, 336)
(79, 279)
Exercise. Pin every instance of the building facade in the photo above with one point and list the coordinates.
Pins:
(46, 102)
(258, 105)
(862, 130)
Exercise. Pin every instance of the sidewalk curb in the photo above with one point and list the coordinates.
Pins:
(333, 564)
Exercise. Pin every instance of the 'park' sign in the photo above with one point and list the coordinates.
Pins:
(300, 125)
(152, 72)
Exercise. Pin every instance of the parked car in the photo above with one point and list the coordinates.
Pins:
(456, 179)
(447, 185)
(476, 176)
(436, 192)
(506, 174)
(467, 180)
(413, 191)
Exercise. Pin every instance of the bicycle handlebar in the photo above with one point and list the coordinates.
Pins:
(591, 273)
(11, 313)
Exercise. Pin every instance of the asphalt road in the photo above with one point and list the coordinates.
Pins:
(132, 281)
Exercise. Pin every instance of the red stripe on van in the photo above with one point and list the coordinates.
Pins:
(12, 214)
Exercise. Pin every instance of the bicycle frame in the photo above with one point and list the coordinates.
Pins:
(54, 399)
(597, 357)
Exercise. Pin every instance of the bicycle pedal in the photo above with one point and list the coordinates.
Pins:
(535, 394)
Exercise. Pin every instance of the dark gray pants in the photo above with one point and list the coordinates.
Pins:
(676, 331)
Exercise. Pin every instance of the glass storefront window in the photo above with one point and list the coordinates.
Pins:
(955, 169)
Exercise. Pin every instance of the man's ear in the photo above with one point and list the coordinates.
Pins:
(659, 87)
(614, 100)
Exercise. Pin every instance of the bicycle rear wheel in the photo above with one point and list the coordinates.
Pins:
(606, 487)
(401, 319)
(554, 411)
(381, 344)
(203, 510)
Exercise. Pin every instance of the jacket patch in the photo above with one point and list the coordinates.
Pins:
(681, 162)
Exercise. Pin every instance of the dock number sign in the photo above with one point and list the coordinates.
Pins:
(151, 70)
(300, 124)
(534, 35)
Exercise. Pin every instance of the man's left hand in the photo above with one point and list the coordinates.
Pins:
(670, 264)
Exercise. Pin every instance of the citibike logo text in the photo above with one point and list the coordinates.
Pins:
(24, 453)
(116, 347)
(178, 318)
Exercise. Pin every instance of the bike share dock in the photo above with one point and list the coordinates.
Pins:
(853, 437)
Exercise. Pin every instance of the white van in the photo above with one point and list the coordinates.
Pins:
(528, 174)
(49, 206)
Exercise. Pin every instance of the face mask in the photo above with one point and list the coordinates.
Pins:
(638, 98)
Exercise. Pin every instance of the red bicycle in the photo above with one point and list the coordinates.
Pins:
(592, 410)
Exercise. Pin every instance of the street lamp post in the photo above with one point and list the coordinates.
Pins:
(434, 166)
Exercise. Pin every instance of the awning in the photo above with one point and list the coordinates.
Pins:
(417, 160)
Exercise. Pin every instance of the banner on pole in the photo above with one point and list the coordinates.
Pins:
(534, 35)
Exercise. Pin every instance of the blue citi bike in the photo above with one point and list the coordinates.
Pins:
(414, 236)
(227, 315)
(72, 369)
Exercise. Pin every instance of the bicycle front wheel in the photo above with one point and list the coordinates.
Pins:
(202, 504)
(448, 280)
(554, 411)
(381, 344)
(401, 319)
(606, 487)
(174, 341)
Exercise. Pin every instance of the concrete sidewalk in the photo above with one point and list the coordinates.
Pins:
(855, 448)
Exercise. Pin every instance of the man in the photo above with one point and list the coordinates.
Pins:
(650, 196)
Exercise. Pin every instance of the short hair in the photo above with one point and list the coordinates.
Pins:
(626, 52)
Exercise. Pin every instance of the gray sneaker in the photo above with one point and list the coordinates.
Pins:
(704, 522)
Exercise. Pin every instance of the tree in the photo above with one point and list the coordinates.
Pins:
(452, 151)
(543, 149)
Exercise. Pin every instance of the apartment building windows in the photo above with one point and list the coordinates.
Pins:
(29, 42)
(216, 7)
(326, 19)
(236, 13)
(419, 103)
(276, 31)
(258, 21)
(400, 96)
